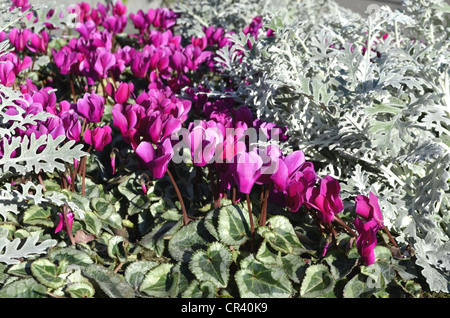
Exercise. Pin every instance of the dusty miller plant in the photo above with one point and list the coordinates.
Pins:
(23, 157)
(369, 109)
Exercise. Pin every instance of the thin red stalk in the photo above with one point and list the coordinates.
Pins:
(114, 81)
(103, 88)
(262, 220)
(252, 225)
(390, 236)
(233, 198)
(34, 60)
(214, 189)
(345, 226)
(83, 173)
(180, 198)
(73, 90)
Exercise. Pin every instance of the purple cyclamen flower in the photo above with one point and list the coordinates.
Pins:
(127, 119)
(203, 143)
(62, 224)
(368, 208)
(326, 200)
(156, 160)
(105, 61)
(122, 94)
(64, 59)
(39, 43)
(71, 124)
(7, 75)
(91, 107)
(19, 38)
(247, 170)
(99, 137)
(367, 240)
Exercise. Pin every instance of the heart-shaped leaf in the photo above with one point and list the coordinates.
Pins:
(135, 272)
(47, 273)
(188, 239)
(212, 265)
(318, 282)
(233, 225)
(256, 280)
(38, 215)
(198, 289)
(158, 281)
(111, 283)
(23, 288)
(117, 248)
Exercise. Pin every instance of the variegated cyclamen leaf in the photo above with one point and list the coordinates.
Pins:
(212, 265)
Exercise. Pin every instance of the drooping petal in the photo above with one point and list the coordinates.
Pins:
(145, 151)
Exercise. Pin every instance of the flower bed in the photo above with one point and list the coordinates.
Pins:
(251, 153)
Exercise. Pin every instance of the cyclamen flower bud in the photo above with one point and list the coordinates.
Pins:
(62, 224)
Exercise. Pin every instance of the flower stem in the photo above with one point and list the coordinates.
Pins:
(252, 225)
(263, 218)
(180, 198)
(345, 226)
(390, 236)
(83, 172)
(73, 89)
(214, 189)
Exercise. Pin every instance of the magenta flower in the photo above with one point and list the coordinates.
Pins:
(295, 194)
(326, 200)
(71, 124)
(19, 38)
(39, 43)
(127, 119)
(91, 107)
(247, 170)
(64, 59)
(203, 142)
(105, 61)
(7, 75)
(124, 92)
(62, 224)
(368, 208)
(367, 240)
(155, 160)
(99, 137)
(22, 4)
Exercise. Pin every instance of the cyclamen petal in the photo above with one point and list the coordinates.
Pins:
(62, 223)
(368, 208)
(367, 240)
(105, 61)
(247, 170)
(99, 137)
(7, 75)
(91, 107)
(164, 153)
